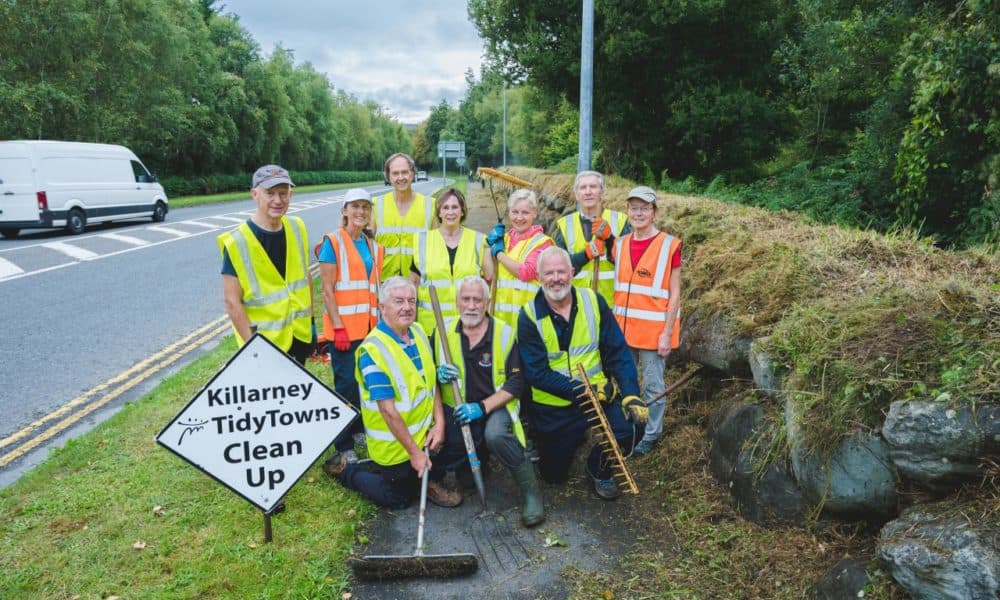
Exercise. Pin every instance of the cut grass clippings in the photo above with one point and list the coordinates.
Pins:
(113, 514)
(698, 545)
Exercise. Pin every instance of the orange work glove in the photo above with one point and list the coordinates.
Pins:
(600, 229)
(595, 248)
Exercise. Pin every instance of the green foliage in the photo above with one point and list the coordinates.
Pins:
(214, 184)
(181, 84)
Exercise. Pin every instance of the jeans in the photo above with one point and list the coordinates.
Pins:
(397, 486)
(651, 366)
(345, 384)
(558, 447)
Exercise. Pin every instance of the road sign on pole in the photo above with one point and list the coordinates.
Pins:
(259, 424)
(451, 149)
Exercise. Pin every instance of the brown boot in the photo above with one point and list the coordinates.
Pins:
(442, 496)
(335, 465)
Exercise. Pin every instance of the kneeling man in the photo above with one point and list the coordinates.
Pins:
(401, 409)
(488, 370)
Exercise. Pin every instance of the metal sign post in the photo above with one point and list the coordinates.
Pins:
(258, 425)
(450, 149)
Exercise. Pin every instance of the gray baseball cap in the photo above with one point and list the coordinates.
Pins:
(357, 194)
(269, 176)
(644, 193)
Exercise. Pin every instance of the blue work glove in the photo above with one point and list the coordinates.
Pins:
(497, 247)
(447, 373)
(469, 412)
(496, 234)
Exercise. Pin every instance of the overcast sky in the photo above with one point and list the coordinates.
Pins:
(405, 55)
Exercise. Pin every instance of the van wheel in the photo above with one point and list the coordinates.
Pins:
(159, 212)
(76, 222)
(9, 232)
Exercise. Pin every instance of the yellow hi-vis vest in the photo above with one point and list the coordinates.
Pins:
(512, 293)
(395, 232)
(583, 347)
(503, 343)
(281, 309)
(431, 256)
(413, 392)
(571, 229)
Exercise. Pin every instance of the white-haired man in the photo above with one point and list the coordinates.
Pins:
(588, 234)
(561, 327)
(401, 409)
(487, 367)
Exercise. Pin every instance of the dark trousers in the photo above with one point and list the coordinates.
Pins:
(346, 384)
(397, 486)
(558, 447)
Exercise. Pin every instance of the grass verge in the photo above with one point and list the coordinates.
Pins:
(113, 514)
(182, 201)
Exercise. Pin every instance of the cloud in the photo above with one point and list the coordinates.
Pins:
(406, 56)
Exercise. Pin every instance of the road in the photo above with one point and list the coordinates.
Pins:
(81, 314)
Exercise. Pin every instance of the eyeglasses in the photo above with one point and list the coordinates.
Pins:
(641, 208)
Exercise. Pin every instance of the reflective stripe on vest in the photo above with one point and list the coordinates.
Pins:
(354, 291)
(571, 227)
(280, 309)
(413, 394)
(431, 257)
(512, 293)
(501, 346)
(582, 350)
(642, 295)
(395, 232)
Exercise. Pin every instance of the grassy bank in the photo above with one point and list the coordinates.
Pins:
(113, 514)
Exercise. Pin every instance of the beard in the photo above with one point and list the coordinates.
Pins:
(471, 320)
(556, 294)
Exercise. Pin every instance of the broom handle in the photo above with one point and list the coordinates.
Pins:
(470, 446)
(423, 508)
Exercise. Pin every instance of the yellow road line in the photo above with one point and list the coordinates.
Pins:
(141, 372)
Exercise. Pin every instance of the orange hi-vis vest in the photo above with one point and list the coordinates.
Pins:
(642, 294)
(355, 292)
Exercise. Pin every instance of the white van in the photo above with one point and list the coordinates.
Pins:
(71, 184)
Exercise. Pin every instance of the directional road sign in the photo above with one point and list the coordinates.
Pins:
(451, 149)
(259, 424)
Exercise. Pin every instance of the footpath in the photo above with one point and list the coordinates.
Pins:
(581, 531)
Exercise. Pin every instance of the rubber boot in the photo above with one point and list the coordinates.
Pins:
(533, 512)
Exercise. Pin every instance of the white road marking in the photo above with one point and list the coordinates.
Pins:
(200, 224)
(168, 230)
(128, 239)
(10, 271)
(8, 268)
(71, 250)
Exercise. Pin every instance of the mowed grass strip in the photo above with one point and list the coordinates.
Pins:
(114, 514)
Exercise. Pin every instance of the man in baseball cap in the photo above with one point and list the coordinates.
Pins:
(269, 176)
(267, 255)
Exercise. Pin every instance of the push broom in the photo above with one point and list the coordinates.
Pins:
(380, 567)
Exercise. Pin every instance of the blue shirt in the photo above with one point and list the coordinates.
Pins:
(377, 382)
(327, 255)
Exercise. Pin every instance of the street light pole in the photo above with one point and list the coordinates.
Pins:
(504, 95)
(586, 86)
